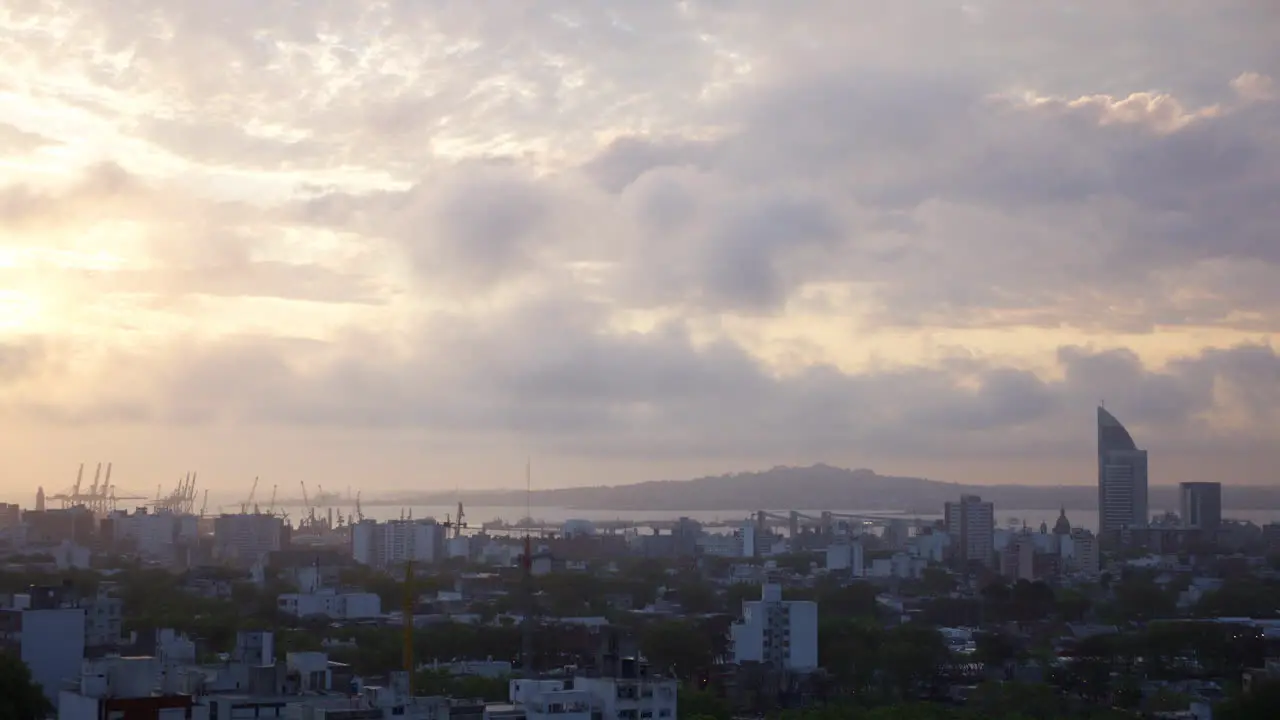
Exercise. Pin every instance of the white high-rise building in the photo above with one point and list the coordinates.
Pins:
(155, 534)
(247, 537)
(392, 543)
(781, 632)
(972, 525)
(1079, 551)
(846, 557)
(1122, 477)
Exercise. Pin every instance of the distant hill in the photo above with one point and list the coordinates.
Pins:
(822, 486)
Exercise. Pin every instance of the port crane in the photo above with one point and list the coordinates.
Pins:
(100, 497)
(182, 500)
(456, 525)
(244, 506)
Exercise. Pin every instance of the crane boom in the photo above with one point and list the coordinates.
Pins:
(306, 500)
(408, 622)
(244, 507)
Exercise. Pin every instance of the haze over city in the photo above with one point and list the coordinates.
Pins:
(407, 245)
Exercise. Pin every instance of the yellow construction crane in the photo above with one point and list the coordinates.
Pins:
(408, 622)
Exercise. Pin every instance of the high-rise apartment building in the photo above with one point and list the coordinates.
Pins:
(1200, 504)
(248, 537)
(777, 631)
(972, 526)
(1122, 476)
(392, 543)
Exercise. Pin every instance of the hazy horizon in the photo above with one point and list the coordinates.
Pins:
(409, 244)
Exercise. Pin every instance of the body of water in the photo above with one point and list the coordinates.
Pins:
(479, 514)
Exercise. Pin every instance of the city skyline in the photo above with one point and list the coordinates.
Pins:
(412, 244)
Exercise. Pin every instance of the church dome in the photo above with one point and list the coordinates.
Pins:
(1063, 526)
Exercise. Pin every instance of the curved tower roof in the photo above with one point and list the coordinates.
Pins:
(1111, 434)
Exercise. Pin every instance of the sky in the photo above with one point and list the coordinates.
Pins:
(411, 243)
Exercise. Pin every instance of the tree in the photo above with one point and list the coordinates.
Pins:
(995, 648)
(1032, 701)
(911, 656)
(683, 647)
(697, 597)
(1072, 605)
(20, 697)
(489, 689)
(1030, 601)
(1243, 597)
(849, 649)
(1259, 703)
(696, 703)
(937, 581)
(1139, 598)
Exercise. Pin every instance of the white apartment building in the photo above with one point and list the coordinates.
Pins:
(120, 687)
(972, 523)
(720, 544)
(49, 637)
(638, 698)
(1079, 550)
(392, 543)
(544, 699)
(155, 534)
(1017, 560)
(899, 565)
(630, 698)
(846, 557)
(332, 604)
(781, 632)
(103, 621)
(247, 537)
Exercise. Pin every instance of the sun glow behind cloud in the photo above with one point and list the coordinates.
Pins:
(829, 233)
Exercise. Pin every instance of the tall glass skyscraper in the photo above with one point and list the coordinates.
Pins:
(1122, 476)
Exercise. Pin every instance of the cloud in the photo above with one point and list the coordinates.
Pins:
(19, 361)
(169, 242)
(552, 371)
(696, 229)
(16, 140)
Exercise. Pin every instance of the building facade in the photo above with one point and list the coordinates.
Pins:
(782, 633)
(247, 537)
(1200, 504)
(971, 522)
(1122, 477)
(392, 543)
(48, 636)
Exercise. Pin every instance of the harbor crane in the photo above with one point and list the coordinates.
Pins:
(182, 500)
(100, 498)
(457, 524)
(244, 506)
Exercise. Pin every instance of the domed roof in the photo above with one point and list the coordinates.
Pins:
(1063, 526)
